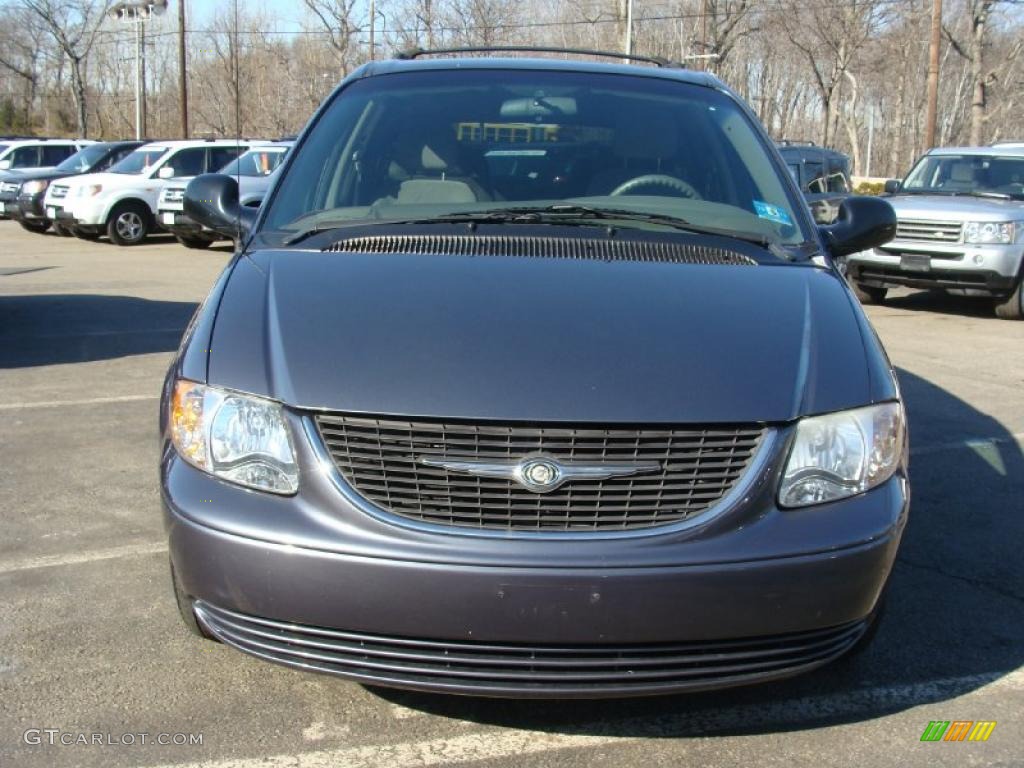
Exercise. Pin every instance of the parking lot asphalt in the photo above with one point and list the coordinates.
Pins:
(91, 643)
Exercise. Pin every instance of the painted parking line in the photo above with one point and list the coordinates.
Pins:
(75, 403)
(510, 743)
(77, 558)
(973, 443)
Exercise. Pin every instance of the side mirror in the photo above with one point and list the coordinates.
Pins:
(166, 172)
(863, 223)
(4, 165)
(892, 186)
(212, 200)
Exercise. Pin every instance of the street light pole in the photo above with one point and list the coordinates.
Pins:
(629, 27)
(137, 12)
(139, 97)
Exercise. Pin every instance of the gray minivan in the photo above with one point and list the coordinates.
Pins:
(533, 378)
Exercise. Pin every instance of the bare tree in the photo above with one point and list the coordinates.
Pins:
(829, 35)
(337, 19)
(979, 14)
(73, 25)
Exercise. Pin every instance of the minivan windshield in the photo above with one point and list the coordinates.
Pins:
(420, 145)
(981, 175)
(84, 158)
(139, 161)
(255, 162)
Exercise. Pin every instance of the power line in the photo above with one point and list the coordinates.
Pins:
(769, 6)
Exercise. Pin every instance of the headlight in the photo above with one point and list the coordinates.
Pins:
(842, 454)
(988, 232)
(34, 187)
(90, 191)
(239, 438)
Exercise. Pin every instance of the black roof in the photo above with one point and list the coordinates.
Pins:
(394, 66)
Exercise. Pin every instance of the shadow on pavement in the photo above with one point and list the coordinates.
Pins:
(942, 302)
(953, 622)
(77, 328)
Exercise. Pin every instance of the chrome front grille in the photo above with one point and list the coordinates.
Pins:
(9, 187)
(383, 461)
(59, 191)
(928, 231)
(173, 195)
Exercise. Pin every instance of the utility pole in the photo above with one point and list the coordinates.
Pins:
(182, 77)
(933, 75)
(373, 15)
(703, 32)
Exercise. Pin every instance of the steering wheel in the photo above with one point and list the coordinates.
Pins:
(657, 180)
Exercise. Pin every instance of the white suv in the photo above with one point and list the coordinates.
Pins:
(255, 171)
(122, 202)
(26, 154)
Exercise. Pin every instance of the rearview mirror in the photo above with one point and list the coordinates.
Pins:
(212, 200)
(892, 186)
(863, 223)
(166, 172)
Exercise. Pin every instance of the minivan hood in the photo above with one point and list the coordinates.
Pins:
(539, 339)
(955, 208)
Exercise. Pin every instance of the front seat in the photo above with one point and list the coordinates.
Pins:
(961, 177)
(440, 178)
(642, 144)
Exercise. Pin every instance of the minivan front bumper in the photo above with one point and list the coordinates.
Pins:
(432, 619)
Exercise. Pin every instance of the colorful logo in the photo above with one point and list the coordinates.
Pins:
(958, 730)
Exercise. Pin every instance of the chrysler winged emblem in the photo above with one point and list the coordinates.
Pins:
(541, 473)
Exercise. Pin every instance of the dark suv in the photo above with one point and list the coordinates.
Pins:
(533, 378)
(823, 175)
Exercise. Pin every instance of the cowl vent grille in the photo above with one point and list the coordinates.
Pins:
(543, 247)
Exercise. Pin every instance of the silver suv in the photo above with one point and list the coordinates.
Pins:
(960, 228)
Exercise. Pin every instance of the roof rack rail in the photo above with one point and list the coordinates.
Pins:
(413, 53)
(796, 143)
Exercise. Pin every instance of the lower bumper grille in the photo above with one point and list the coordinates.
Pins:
(524, 670)
(386, 462)
(988, 281)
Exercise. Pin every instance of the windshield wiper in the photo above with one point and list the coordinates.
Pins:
(572, 214)
(983, 193)
(566, 214)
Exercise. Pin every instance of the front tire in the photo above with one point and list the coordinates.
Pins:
(1013, 307)
(35, 226)
(869, 294)
(129, 223)
(194, 242)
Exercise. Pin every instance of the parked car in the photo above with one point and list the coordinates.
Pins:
(823, 175)
(23, 198)
(20, 154)
(255, 170)
(961, 229)
(533, 378)
(121, 202)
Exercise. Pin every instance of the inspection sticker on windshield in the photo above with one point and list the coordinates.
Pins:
(771, 212)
